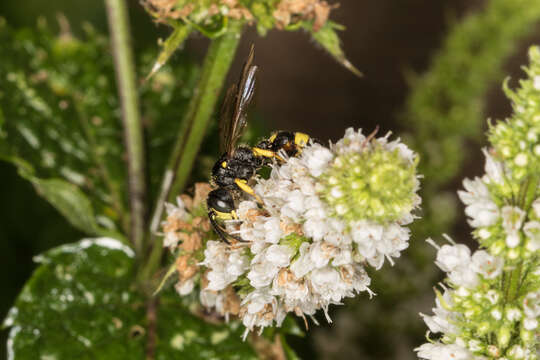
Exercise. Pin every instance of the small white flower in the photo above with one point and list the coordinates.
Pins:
(177, 211)
(442, 320)
(315, 229)
(353, 141)
(496, 314)
(316, 157)
(225, 265)
(303, 264)
(531, 305)
(530, 323)
(493, 296)
(536, 207)
(463, 276)
(494, 169)
(186, 287)
(321, 253)
(293, 290)
(405, 152)
(279, 255)
(171, 240)
(367, 234)
(208, 298)
(261, 274)
(513, 314)
(536, 82)
(451, 257)
(244, 207)
(438, 351)
(480, 208)
(512, 220)
(487, 265)
(475, 345)
(532, 231)
(272, 230)
(516, 352)
(257, 300)
(394, 240)
(261, 310)
(327, 283)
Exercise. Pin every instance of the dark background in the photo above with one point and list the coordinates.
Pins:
(300, 88)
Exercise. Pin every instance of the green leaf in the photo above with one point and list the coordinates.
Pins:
(60, 120)
(328, 38)
(58, 106)
(73, 204)
(80, 304)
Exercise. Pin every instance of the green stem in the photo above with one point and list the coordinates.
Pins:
(215, 68)
(133, 131)
(512, 291)
(526, 196)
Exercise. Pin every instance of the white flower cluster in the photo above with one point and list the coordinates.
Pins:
(494, 219)
(488, 310)
(301, 254)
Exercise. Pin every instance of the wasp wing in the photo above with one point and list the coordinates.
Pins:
(234, 111)
(225, 121)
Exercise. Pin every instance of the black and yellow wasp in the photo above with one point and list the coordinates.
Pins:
(238, 164)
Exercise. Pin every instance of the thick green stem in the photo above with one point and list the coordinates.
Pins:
(215, 68)
(133, 132)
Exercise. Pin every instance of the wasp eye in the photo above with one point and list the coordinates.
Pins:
(222, 204)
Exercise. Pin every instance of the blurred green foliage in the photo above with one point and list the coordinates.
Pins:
(444, 110)
(60, 121)
(446, 106)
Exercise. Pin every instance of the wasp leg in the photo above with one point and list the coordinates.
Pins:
(242, 184)
(267, 153)
(218, 229)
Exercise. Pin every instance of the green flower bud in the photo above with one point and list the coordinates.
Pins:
(516, 141)
(493, 351)
(503, 336)
(483, 328)
(527, 336)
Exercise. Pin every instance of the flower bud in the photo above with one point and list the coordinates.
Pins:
(503, 336)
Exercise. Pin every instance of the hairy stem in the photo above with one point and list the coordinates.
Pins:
(215, 68)
(133, 132)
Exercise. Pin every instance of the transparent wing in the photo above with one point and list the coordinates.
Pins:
(234, 110)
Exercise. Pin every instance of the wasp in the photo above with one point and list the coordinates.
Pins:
(238, 164)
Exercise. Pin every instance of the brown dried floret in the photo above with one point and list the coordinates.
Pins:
(231, 303)
(192, 243)
(201, 193)
(291, 11)
(185, 267)
(188, 201)
(290, 228)
(164, 9)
